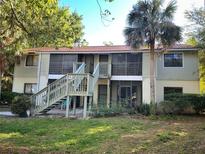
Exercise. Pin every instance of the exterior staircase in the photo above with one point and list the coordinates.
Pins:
(78, 83)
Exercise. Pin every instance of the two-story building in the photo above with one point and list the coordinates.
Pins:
(124, 73)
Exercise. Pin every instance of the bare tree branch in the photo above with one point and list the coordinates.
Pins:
(104, 15)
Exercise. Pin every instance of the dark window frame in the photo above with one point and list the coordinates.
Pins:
(179, 89)
(62, 63)
(175, 59)
(31, 84)
(27, 63)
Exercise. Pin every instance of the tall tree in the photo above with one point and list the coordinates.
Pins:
(150, 23)
(197, 17)
(36, 23)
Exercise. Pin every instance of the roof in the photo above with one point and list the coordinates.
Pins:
(106, 49)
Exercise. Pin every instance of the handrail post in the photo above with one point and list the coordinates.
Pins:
(67, 84)
(67, 106)
(74, 67)
(85, 107)
(48, 95)
(32, 106)
(88, 83)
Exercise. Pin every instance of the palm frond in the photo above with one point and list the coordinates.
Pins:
(170, 33)
(134, 37)
(148, 22)
(137, 13)
(156, 4)
(168, 12)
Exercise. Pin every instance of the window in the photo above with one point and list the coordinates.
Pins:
(173, 60)
(169, 90)
(127, 64)
(30, 88)
(61, 63)
(103, 58)
(31, 60)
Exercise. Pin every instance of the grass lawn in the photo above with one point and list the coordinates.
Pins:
(125, 134)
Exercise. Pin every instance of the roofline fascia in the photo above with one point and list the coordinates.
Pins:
(108, 52)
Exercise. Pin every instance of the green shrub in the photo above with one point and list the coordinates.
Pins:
(114, 109)
(20, 104)
(144, 109)
(8, 96)
(167, 107)
(176, 103)
(199, 104)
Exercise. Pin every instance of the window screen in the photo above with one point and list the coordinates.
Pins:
(61, 63)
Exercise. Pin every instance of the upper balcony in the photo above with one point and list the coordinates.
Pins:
(127, 69)
(104, 69)
(127, 64)
(117, 65)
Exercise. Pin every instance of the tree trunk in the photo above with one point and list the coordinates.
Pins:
(0, 82)
(152, 74)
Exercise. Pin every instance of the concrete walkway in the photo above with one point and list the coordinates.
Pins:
(6, 113)
(79, 113)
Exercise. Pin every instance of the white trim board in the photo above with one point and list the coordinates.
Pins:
(126, 78)
(55, 76)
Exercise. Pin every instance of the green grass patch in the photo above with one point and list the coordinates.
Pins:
(125, 134)
(44, 135)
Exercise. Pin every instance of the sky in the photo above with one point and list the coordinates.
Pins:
(95, 32)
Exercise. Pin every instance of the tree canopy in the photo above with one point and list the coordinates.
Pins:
(197, 17)
(35, 23)
(38, 23)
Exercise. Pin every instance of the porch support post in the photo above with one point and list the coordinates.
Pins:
(90, 103)
(67, 106)
(85, 107)
(74, 105)
(108, 93)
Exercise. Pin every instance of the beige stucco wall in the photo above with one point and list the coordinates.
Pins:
(188, 87)
(189, 71)
(23, 74)
(145, 78)
(146, 90)
(18, 83)
(43, 70)
(186, 77)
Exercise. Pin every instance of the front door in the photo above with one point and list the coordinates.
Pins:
(102, 95)
(125, 94)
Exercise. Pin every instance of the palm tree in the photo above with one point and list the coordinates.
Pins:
(150, 23)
